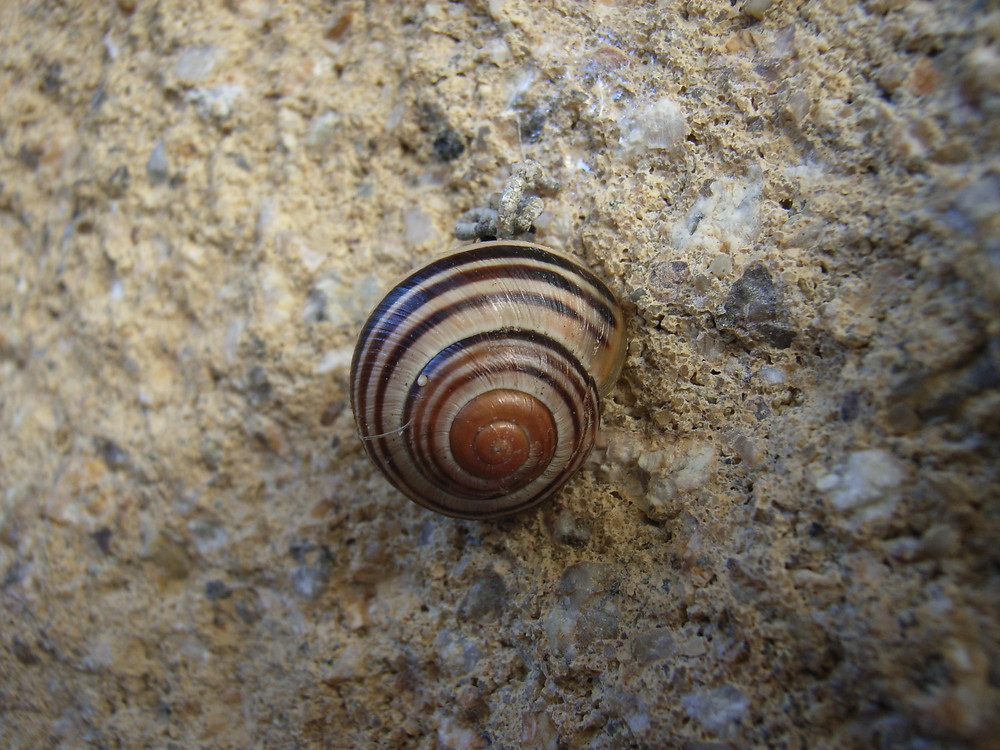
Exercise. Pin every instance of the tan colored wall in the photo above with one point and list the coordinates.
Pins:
(788, 537)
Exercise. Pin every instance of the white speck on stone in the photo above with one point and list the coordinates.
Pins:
(396, 115)
(101, 655)
(323, 130)
(117, 291)
(809, 174)
(496, 8)
(757, 8)
(721, 265)
(695, 467)
(193, 254)
(208, 536)
(266, 217)
(659, 502)
(157, 168)
(454, 735)
(771, 375)
(217, 103)
(419, 228)
(661, 125)
(232, 339)
(637, 718)
(276, 296)
(458, 654)
(289, 125)
(335, 359)
(726, 217)
(347, 303)
(498, 51)
(717, 710)
(867, 483)
(110, 47)
(197, 63)
(311, 259)
(827, 482)
(308, 582)
(560, 627)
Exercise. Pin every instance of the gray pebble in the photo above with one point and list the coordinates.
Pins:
(754, 309)
(157, 168)
(485, 599)
(310, 576)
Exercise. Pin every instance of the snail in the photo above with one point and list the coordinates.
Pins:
(476, 381)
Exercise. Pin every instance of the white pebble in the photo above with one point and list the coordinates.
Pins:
(419, 227)
(323, 130)
(217, 103)
(196, 63)
(771, 375)
(661, 125)
(867, 482)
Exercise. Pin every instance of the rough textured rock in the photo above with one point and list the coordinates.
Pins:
(782, 541)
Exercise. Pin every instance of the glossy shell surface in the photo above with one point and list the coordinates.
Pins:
(476, 381)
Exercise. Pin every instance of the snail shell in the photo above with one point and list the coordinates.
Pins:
(476, 381)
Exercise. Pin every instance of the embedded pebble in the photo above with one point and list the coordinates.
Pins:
(157, 167)
(659, 503)
(538, 731)
(458, 654)
(485, 599)
(216, 103)
(569, 528)
(757, 8)
(170, 555)
(419, 227)
(348, 665)
(586, 612)
(771, 375)
(694, 466)
(652, 646)
(754, 308)
(323, 130)
(310, 577)
(102, 537)
(867, 484)
(208, 536)
(660, 125)
(197, 63)
(718, 710)
(721, 265)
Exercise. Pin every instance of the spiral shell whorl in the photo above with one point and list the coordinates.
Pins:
(475, 382)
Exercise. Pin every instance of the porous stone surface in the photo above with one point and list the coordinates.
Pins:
(788, 536)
